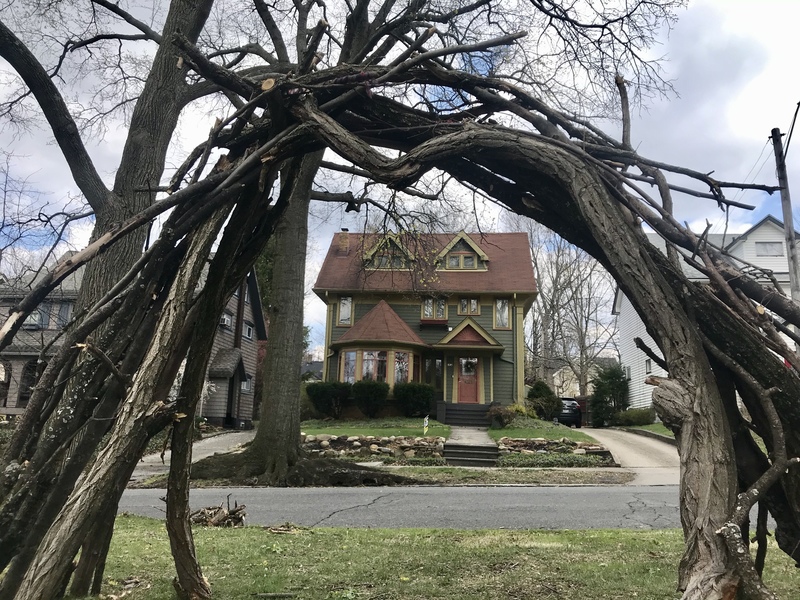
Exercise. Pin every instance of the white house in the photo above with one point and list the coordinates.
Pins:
(763, 245)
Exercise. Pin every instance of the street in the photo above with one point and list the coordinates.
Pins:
(510, 507)
(650, 502)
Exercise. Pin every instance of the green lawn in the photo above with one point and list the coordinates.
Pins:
(524, 427)
(414, 564)
(656, 428)
(391, 426)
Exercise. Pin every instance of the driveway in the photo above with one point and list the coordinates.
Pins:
(654, 462)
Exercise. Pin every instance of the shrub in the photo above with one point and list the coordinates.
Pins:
(500, 416)
(543, 401)
(552, 460)
(414, 399)
(329, 397)
(635, 416)
(370, 396)
(610, 395)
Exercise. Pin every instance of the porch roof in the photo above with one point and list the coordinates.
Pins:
(381, 324)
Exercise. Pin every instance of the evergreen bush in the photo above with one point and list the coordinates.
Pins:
(370, 396)
(414, 399)
(329, 397)
(610, 395)
(543, 401)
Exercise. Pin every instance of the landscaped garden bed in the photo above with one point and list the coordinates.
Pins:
(367, 448)
(541, 452)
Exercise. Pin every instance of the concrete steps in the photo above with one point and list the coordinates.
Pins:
(468, 455)
(465, 415)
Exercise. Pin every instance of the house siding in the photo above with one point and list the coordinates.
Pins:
(498, 375)
(746, 248)
(630, 326)
(633, 360)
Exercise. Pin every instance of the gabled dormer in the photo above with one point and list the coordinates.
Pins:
(388, 253)
(462, 254)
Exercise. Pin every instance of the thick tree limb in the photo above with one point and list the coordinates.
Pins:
(58, 116)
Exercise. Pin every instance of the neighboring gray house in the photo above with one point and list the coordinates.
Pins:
(231, 372)
(20, 363)
(763, 245)
(234, 360)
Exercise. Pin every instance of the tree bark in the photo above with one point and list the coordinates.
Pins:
(275, 449)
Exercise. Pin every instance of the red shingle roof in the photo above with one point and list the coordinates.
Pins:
(381, 324)
(509, 266)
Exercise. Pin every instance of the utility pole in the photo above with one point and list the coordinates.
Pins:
(788, 221)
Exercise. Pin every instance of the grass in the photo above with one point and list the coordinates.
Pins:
(655, 428)
(387, 427)
(525, 476)
(525, 427)
(415, 564)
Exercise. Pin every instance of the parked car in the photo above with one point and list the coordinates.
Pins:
(570, 413)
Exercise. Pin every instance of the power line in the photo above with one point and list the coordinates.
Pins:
(791, 129)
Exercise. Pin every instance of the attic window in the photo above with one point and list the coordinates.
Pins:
(388, 261)
(461, 260)
(769, 248)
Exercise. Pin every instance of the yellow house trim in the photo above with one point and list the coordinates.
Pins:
(519, 359)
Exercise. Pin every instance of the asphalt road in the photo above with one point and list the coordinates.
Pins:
(650, 503)
(510, 507)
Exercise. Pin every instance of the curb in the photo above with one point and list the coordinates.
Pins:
(650, 434)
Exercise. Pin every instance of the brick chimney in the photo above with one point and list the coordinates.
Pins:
(344, 241)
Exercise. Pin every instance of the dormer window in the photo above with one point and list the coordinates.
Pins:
(388, 253)
(458, 260)
(388, 261)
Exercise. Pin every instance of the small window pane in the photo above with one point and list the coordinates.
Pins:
(349, 374)
(380, 374)
(453, 261)
(400, 367)
(441, 307)
(501, 320)
(427, 308)
(473, 306)
(469, 262)
(345, 310)
(368, 366)
(464, 306)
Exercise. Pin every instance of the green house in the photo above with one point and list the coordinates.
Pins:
(443, 309)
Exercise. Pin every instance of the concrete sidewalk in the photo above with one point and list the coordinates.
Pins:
(470, 436)
(151, 465)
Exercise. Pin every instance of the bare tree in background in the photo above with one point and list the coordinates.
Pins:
(570, 324)
(391, 89)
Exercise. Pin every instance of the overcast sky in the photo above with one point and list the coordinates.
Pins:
(734, 67)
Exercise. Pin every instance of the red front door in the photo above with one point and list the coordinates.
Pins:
(468, 380)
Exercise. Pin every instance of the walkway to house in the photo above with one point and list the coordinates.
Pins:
(470, 436)
(470, 447)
